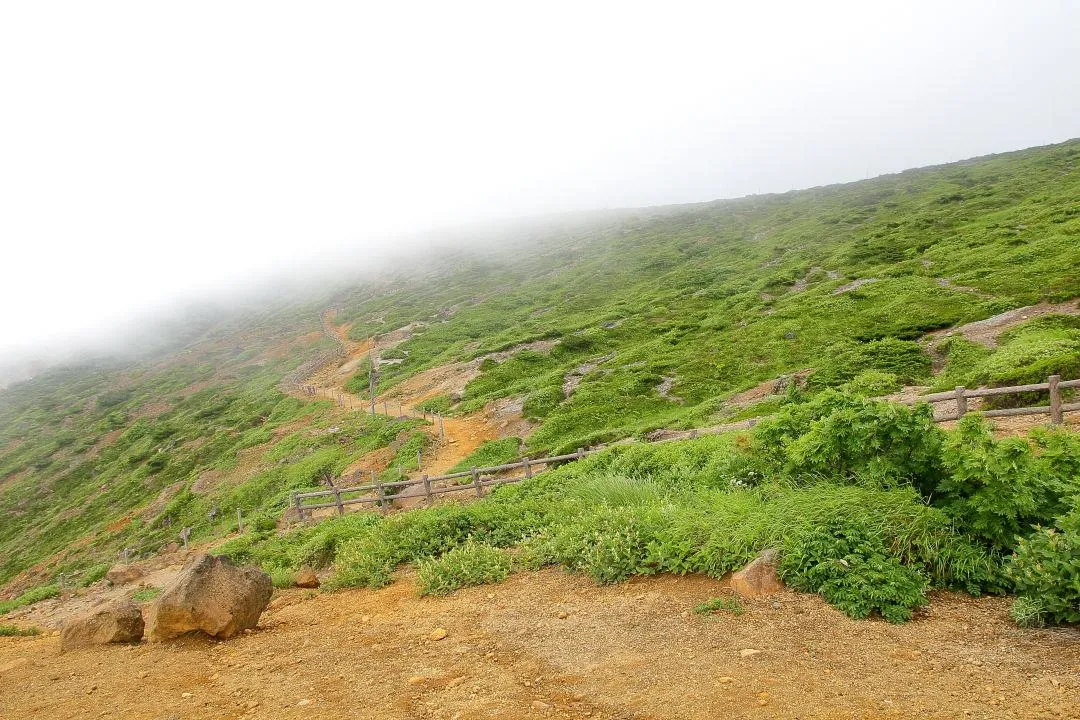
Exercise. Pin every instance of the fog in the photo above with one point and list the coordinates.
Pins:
(156, 154)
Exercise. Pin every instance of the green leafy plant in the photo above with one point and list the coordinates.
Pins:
(15, 631)
(145, 594)
(472, 563)
(1046, 572)
(853, 569)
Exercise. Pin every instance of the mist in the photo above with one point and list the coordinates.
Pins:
(153, 157)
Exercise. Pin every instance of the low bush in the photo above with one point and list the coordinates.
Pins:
(1046, 572)
(472, 563)
(16, 631)
(853, 569)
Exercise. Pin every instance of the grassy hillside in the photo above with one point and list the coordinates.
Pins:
(663, 312)
(720, 296)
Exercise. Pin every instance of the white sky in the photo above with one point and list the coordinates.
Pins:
(152, 151)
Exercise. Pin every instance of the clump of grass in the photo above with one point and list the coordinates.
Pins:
(472, 563)
(490, 454)
(713, 606)
(15, 631)
(145, 594)
(43, 592)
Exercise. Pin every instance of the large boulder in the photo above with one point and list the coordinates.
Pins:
(210, 595)
(759, 577)
(117, 622)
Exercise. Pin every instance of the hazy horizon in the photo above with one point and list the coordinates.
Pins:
(161, 156)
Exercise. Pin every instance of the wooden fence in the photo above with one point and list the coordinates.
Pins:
(1054, 385)
(382, 494)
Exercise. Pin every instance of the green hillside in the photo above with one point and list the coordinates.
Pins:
(663, 312)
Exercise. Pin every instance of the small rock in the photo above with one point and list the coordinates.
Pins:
(303, 702)
(540, 705)
(455, 682)
(563, 615)
(417, 680)
(749, 652)
(365, 618)
(759, 577)
(186, 695)
(116, 622)
(725, 679)
(437, 634)
(306, 578)
(143, 674)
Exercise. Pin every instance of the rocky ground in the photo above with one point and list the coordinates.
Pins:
(552, 645)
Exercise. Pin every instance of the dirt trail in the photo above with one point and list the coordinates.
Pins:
(548, 644)
(986, 332)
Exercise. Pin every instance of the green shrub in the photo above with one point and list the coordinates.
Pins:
(993, 489)
(439, 404)
(873, 383)
(853, 569)
(1046, 572)
(31, 596)
(490, 454)
(145, 594)
(471, 563)
(15, 631)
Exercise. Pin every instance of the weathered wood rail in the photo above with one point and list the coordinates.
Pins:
(1054, 385)
(381, 494)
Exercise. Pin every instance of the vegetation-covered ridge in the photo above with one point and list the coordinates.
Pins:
(650, 318)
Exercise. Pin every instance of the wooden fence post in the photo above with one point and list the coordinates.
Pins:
(337, 500)
(580, 453)
(528, 467)
(442, 434)
(419, 459)
(1056, 416)
(427, 489)
(384, 507)
(961, 402)
(299, 510)
(477, 483)
(239, 521)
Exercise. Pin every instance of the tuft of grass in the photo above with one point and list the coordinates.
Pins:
(713, 606)
(15, 631)
(145, 594)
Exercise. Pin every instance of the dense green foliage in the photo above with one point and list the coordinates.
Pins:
(491, 454)
(1046, 573)
(471, 563)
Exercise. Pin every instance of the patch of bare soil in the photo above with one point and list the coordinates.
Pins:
(986, 332)
(548, 644)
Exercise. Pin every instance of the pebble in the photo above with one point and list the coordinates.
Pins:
(417, 680)
(563, 615)
(455, 682)
(725, 679)
(186, 695)
(749, 652)
(437, 634)
(303, 702)
(540, 705)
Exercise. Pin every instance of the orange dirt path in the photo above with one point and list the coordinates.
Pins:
(552, 645)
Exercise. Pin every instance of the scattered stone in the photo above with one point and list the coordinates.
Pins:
(124, 574)
(143, 674)
(306, 578)
(365, 618)
(437, 634)
(417, 680)
(759, 577)
(563, 615)
(749, 652)
(116, 622)
(540, 705)
(211, 595)
(725, 679)
(186, 695)
(303, 702)
(459, 680)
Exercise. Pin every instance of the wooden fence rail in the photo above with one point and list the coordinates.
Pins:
(1054, 385)
(477, 479)
(379, 493)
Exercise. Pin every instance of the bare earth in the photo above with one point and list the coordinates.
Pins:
(549, 644)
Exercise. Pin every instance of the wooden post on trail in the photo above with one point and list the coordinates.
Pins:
(1056, 416)
(419, 459)
(580, 453)
(427, 489)
(239, 521)
(371, 388)
(385, 410)
(477, 483)
(337, 501)
(185, 534)
(299, 510)
(442, 434)
(528, 467)
(961, 402)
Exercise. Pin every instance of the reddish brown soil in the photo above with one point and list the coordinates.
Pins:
(553, 645)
